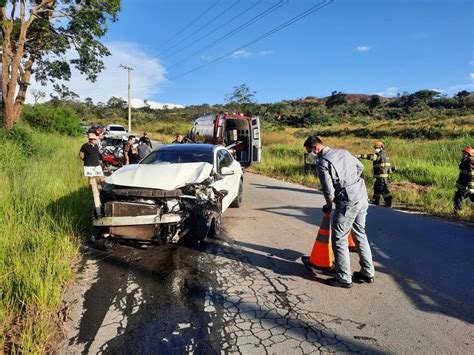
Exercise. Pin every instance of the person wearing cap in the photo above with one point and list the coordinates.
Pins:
(89, 154)
(341, 183)
(465, 181)
(382, 168)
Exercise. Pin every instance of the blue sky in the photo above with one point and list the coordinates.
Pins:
(366, 46)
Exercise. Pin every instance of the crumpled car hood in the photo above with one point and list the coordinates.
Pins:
(160, 176)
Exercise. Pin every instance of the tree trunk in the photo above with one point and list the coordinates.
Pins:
(7, 115)
(11, 66)
(24, 83)
(6, 61)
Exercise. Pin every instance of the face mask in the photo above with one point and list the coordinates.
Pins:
(377, 150)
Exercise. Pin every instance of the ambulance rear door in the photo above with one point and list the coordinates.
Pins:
(256, 140)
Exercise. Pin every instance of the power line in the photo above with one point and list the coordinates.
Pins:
(228, 34)
(216, 28)
(202, 27)
(237, 29)
(189, 24)
(297, 18)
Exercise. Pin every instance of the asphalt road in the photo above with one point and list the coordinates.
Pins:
(249, 293)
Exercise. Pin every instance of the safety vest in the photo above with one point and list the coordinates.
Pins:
(381, 164)
(466, 175)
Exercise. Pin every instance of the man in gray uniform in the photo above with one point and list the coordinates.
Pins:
(339, 173)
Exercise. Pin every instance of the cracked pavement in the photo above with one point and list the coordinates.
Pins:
(248, 293)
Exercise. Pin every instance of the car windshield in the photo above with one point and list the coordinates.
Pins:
(177, 157)
(116, 128)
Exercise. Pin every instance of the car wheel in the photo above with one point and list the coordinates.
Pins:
(238, 200)
(215, 229)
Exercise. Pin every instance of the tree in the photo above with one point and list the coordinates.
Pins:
(336, 98)
(88, 101)
(117, 102)
(374, 101)
(241, 95)
(462, 94)
(462, 98)
(146, 106)
(38, 95)
(36, 35)
(426, 95)
(63, 93)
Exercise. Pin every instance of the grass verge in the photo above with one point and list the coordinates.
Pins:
(43, 212)
(425, 180)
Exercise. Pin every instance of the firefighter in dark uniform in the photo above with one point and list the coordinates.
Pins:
(382, 170)
(465, 182)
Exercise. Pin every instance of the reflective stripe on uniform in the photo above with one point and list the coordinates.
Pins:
(381, 176)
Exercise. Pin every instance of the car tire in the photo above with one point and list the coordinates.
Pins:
(215, 229)
(238, 200)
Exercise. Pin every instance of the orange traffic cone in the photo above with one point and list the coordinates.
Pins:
(352, 245)
(321, 256)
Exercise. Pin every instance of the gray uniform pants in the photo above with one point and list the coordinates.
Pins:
(345, 218)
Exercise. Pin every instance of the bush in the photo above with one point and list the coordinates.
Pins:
(50, 118)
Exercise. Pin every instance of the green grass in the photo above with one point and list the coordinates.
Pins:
(44, 205)
(162, 131)
(425, 180)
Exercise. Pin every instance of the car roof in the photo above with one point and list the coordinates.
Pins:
(201, 148)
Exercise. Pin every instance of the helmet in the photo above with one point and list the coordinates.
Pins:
(469, 151)
(378, 145)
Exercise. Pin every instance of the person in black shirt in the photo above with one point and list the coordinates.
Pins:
(130, 151)
(89, 153)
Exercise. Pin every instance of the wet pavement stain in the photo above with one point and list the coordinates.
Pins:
(206, 300)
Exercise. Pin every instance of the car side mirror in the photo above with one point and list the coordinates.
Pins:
(227, 171)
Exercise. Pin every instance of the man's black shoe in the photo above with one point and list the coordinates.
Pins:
(358, 277)
(336, 283)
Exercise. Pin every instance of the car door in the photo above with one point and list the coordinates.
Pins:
(226, 169)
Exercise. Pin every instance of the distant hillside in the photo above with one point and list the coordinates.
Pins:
(351, 99)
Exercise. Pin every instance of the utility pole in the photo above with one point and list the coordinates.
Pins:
(129, 97)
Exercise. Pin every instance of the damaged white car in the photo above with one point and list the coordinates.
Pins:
(176, 191)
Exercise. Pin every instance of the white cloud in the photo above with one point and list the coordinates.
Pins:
(241, 53)
(389, 92)
(147, 78)
(153, 104)
(244, 53)
(452, 90)
(363, 49)
(471, 75)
